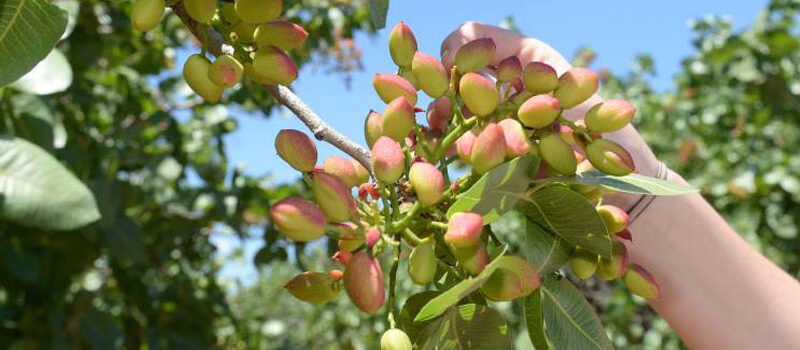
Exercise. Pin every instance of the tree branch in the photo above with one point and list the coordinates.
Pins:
(281, 94)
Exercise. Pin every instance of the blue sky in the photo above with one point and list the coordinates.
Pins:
(617, 30)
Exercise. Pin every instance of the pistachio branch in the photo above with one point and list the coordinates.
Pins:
(216, 45)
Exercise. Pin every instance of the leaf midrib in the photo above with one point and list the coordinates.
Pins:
(571, 321)
(12, 20)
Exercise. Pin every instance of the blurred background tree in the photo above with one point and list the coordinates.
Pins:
(154, 157)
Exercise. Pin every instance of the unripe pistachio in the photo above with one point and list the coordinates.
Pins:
(146, 14)
(479, 94)
(245, 32)
(609, 116)
(613, 268)
(373, 127)
(464, 146)
(539, 111)
(520, 97)
(298, 219)
(558, 154)
(391, 86)
(388, 160)
(333, 196)
(228, 11)
(640, 282)
(402, 44)
(313, 287)
(363, 280)
(539, 78)
(274, 65)
(398, 119)
(258, 11)
(362, 174)
(297, 149)
(489, 149)
(625, 234)
(430, 74)
(342, 168)
(517, 142)
(474, 55)
(509, 69)
(372, 236)
(427, 182)
(336, 275)
(395, 339)
(614, 217)
(343, 256)
(422, 263)
(583, 263)
(472, 259)
(609, 157)
(407, 74)
(195, 72)
(226, 71)
(439, 112)
(201, 10)
(514, 278)
(284, 34)
(464, 230)
(576, 86)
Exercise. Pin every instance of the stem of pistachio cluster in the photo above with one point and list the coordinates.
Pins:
(406, 221)
(452, 95)
(454, 135)
(574, 127)
(392, 282)
(409, 236)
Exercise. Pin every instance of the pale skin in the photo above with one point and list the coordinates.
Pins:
(717, 292)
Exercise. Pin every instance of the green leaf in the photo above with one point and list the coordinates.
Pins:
(570, 216)
(469, 326)
(34, 120)
(545, 251)
(410, 310)
(52, 74)
(452, 296)
(534, 320)
(29, 29)
(37, 191)
(633, 183)
(570, 319)
(377, 12)
(497, 191)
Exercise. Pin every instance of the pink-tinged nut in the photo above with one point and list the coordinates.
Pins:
(464, 146)
(398, 119)
(430, 74)
(363, 280)
(439, 112)
(336, 275)
(539, 111)
(388, 160)
(583, 263)
(373, 127)
(489, 149)
(342, 168)
(422, 263)
(472, 259)
(427, 182)
(195, 72)
(576, 86)
(344, 254)
(539, 78)
(313, 287)
(402, 45)
(610, 158)
(567, 134)
(609, 116)
(474, 55)
(614, 217)
(226, 71)
(514, 278)
(333, 196)
(298, 219)
(520, 97)
(640, 282)
(625, 234)
(613, 268)
(281, 33)
(297, 149)
(464, 230)
(509, 69)
(391, 86)
(558, 154)
(274, 65)
(362, 174)
(517, 142)
(371, 237)
(479, 94)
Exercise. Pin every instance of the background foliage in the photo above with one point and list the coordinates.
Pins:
(154, 160)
